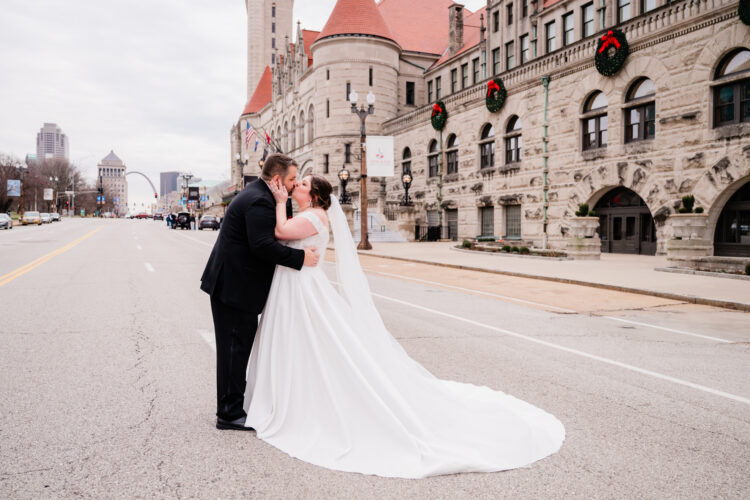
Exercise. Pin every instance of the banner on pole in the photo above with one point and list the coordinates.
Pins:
(47, 194)
(14, 187)
(379, 156)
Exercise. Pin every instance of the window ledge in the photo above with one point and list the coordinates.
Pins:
(732, 130)
(594, 153)
(450, 178)
(639, 146)
(510, 167)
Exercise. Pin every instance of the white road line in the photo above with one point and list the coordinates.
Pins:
(469, 290)
(679, 332)
(209, 338)
(150, 268)
(195, 240)
(608, 361)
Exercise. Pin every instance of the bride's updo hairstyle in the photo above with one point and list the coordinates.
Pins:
(320, 191)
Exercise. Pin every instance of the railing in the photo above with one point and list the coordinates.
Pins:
(429, 233)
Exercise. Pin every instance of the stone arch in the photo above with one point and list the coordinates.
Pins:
(717, 185)
(301, 127)
(732, 36)
(293, 134)
(310, 123)
(305, 170)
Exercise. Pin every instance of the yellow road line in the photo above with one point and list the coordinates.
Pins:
(7, 278)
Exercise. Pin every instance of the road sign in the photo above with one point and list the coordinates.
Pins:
(193, 193)
(14, 187)
(48, 194)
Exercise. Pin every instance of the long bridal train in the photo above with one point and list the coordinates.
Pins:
(328, 384)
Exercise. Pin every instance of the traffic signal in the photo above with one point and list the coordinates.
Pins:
(156, 195)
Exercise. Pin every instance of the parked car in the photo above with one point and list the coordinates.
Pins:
(141, 215)
(6, 222)
(158, 216)
(208, 222)
(31, 217)
(46, 219)
(182, 221)
(55, 217)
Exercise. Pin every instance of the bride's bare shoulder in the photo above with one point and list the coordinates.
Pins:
(320, 214)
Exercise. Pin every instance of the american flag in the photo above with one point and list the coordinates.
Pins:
(249, 133)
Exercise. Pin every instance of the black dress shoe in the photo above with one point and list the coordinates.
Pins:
(235, 425)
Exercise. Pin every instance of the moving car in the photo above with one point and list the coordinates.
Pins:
(46, 218)
(182, 221)
(6, 222)
(31, 217)
(55, 217)
(141, 215)
(209, 222)
(158, 216)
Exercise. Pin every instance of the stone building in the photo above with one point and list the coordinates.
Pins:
(111, 173)
(671, 122)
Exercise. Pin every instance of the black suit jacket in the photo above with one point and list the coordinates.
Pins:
(240, 269)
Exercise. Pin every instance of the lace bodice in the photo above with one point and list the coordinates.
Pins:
(319, 240)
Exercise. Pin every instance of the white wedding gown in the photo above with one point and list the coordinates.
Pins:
(328, 384)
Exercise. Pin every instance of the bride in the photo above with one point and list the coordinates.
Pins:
(328, 384)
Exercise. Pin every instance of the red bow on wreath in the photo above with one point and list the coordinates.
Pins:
(607, 40)
(492, 86)
(436, 109)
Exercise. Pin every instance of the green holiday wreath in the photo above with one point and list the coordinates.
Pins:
(439, 115)
(496, 94)
(611, 52)
(744, 12)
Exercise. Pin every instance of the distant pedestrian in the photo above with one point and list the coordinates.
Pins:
(169, 220)
(192, 222)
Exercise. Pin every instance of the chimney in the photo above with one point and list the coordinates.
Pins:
(456, 24)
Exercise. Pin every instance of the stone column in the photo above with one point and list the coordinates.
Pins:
(583, 243)
(348, 209)
(689, 240)
(407, 220)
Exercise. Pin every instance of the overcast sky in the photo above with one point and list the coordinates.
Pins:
(160, 82)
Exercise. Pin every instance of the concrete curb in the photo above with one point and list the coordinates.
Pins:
(679, 270)
(738, 306)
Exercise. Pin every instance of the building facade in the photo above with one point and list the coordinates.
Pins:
(51, 142)
(167, 183)
(111, 177)
(269, 28)
(672, 122)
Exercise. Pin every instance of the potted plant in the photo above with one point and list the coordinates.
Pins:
(690, 223)
(585, 223)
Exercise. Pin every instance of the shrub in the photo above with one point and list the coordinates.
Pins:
(688, 202)
(525, 250)
(698, 210)
(684, 210)
(747, 268)
(515, 249)
(466, 244)
(583, 210)
(592, 214)
(506, 248)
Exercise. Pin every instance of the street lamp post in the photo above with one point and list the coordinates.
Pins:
(406, 181)
(344, 178)
(53, 181)
(364, 243)
(21, 172)
(242, 164)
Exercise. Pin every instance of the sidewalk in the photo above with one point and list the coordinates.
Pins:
(629, 273)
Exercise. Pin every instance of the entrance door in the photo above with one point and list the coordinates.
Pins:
(451, 217)
(625, 223)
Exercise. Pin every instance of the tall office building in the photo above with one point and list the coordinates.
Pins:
(269, 32)
(168, 182)
(51, 143)
(112, 174)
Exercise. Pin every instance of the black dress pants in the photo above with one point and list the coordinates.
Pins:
(235, 333)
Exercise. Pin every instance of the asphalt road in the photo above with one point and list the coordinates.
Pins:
(107, 377)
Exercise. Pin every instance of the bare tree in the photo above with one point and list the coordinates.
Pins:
(9, 169)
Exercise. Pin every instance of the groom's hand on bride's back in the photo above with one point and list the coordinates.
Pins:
(311, 256)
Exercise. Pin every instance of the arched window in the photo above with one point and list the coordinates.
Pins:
(513, 140)
(732, 100)
(406, 161)
(310, 124)
(301, 127)
(432, 158)
(487, 147)
(293, 135)
(452, 154)
(285, 138)
(640, 113)
(277, 139)
(594, 122)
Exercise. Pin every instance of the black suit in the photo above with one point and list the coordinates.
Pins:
(238, 277)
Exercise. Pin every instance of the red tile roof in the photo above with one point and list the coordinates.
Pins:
(360, 17)
(262, 94)
(472, 28)
(309, 37)
(418, 25)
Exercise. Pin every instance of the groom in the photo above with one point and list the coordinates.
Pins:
(238, 278)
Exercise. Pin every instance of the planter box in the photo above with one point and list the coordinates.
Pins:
(584, 227)
(688, 226)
